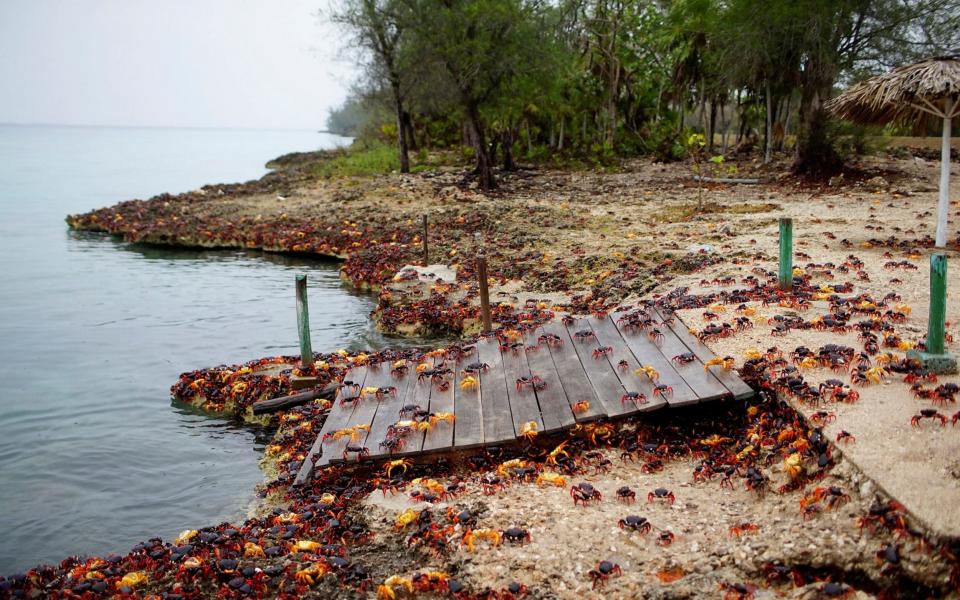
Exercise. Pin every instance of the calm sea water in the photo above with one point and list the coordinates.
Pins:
(93, 455)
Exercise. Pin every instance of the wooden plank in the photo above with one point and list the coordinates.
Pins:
(602, 375)
(573, 378)
(468, 430)
(609, 335)
(363, 413)
(336, 419)
(649, 354)
(523, 402)
(441, 436)
(703, 384)
(729, 379)
(555, 409)
(388, 412)
(498, 422)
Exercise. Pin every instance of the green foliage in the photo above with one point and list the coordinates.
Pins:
(851, 140)
(362, 158)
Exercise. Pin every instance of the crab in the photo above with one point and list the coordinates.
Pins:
(738, 591)
(469, 383)
(399, 368)
(359, 451)
(475, 367)
(623, 365)
(742, 528)
(386, 590)
(312, 574)
(662, 390)
(685, 358)
(584, 335)
(445, 417)
(516, 535)
(626, 495)
(581, 406)
(649, 372)
(822, 417)
(381, 392)
(551, 478)
(655, 335)
(636, 523)
(652, 466)
(928, 413)
(390, 466)
(393, 443)
(410, 410)
(603, 571)
(550, 339)
(727, 363)
(532, 381)
(602, 351)
(846, 437)
(491, 484)
(528, 430)
(665, 538)
(473, 535)
(661, 494)
(634, 397)
(585, 493)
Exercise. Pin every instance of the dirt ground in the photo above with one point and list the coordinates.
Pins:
(602, 231)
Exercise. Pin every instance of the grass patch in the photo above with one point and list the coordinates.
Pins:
(371, 158)
(685, 212)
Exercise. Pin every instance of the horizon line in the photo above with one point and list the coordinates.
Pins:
(129, 126)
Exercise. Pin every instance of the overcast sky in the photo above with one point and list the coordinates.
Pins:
(193, 63)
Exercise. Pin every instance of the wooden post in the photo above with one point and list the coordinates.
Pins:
(936, 323)
(426, 249)
(303, 323)
(786, 254)
(484, 292)
(943, 203)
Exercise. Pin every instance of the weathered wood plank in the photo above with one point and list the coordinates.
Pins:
(576, 386)
(468, 430)
(497, 418)
(555, 410)
(729, 379)
(523, 402)
(441, 436)
(388, 412)
(337, 419)
(649, 354)
(363, 413)
(704, 385)
(609, 335)
(602, 375)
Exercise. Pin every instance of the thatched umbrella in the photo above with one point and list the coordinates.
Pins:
(908, 95)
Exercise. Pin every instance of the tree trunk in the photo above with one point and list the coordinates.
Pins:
(560, 141)
(768, 138)
(484, 165)
(712, 125)
(506, 142)
(815, 153)
(401, 131)
(411, 135)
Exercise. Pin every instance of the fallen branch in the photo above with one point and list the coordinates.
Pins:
(274, 404)
(726, 180)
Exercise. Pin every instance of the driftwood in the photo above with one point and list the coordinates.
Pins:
(726, 180)
(274, 404)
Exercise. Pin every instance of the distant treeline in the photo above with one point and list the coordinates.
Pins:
(616, 77)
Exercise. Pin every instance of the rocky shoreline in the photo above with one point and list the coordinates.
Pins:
(576, 242)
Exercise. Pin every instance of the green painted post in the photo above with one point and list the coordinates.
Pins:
(303, 323)
(786, 254)
(938, 303)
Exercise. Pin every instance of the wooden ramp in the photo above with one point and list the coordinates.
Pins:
(590, 369)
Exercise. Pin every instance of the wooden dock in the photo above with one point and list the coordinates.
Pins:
(496, 410)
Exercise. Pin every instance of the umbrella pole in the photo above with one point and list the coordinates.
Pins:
(943, 206)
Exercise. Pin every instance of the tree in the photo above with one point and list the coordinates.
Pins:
(377, 27)
(483, 47)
